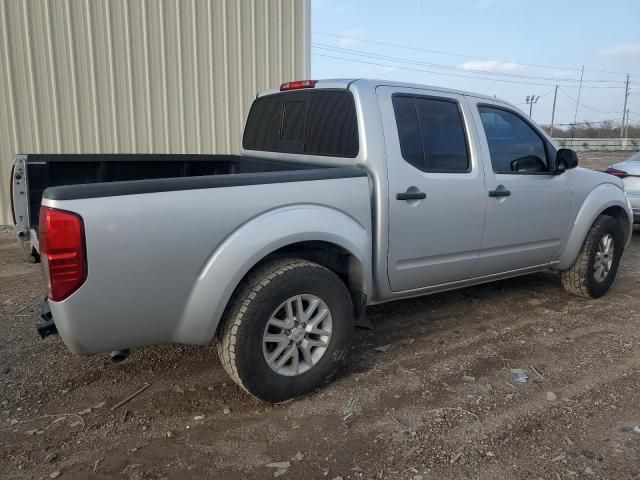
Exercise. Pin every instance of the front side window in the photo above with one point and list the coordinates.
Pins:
(512, 142)
(431, 133)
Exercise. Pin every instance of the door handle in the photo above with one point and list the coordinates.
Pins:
(500, 191)
(411, 196)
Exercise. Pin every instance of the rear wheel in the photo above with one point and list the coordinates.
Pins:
(287, 329)
(594, 271)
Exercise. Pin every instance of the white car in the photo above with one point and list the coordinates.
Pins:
(629, 172)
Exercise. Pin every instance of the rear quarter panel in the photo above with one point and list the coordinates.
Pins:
(162, 266)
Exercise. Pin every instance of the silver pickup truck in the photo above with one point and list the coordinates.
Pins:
(347, 193)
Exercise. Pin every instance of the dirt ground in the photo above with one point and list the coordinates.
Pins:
(437, 400)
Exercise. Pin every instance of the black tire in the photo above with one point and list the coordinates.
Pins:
(580, 279)
(241, 331)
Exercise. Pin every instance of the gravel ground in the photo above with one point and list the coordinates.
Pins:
(600, 160)
(428, 394)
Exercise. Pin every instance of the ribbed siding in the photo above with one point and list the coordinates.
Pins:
(139, 76)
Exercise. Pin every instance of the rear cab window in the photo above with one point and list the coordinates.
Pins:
(431, 133)
(308, 122)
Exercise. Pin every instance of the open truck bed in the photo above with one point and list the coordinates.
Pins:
(33, 174)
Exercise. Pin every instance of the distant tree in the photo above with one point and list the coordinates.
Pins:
(604, 129)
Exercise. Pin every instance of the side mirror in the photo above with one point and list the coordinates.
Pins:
(530, 163)
(566, 159)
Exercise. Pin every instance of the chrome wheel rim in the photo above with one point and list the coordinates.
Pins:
(604, 258)
(297, 335)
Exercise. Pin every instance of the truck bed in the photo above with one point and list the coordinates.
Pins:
(172, 250)
(54, 170)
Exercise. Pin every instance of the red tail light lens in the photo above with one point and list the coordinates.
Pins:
(62, 252)
(616, 172)
(298, 84)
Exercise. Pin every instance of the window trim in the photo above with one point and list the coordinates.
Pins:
(305, 93)
(547, 146)
(457, 103)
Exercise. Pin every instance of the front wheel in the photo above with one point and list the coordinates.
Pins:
(286, 330)
(594, 271)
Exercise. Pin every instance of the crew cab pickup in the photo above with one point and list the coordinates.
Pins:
(346, 193)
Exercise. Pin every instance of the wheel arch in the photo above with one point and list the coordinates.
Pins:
(335, 240)
(606, 199)
(622, 217)
(340, 260)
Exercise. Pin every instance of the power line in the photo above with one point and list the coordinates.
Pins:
(583, 105)
(429, 71)
(400, 67)
(547, 92)
(472, 74)
(362, 53)
(440, 52)
(575, 115)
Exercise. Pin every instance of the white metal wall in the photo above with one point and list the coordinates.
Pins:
(169, 76)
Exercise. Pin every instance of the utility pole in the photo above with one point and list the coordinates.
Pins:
(553, 111)
(626, 125)
(575, 115)
(624, 110)
(530, 100)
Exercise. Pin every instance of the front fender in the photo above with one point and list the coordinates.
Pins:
(253, 241)
(599, 199)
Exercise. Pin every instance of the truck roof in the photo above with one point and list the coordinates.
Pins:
(373, 83)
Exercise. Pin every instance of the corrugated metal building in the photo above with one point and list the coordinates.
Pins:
(139, 76)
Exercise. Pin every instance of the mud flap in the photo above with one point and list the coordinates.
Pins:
(361, 320)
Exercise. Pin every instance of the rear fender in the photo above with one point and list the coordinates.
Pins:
(251, 243)
(601, 198)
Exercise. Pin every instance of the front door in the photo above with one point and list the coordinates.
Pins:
(437, 194)
(528, 207)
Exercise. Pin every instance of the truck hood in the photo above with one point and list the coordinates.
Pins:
(591, 179)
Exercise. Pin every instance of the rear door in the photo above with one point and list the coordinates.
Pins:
(528, 211)
(437, 194)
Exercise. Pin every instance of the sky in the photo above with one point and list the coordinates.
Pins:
(508, 48)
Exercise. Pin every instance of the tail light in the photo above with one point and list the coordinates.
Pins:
(62, 252)
(617, 172)
(298, 84)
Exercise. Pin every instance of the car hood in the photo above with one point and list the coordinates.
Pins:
(631, 165)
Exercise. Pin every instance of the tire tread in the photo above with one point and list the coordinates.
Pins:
(256, 280)
(576, 280)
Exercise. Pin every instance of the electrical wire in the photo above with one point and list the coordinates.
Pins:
(378, 56)
(441, 52)
(431, 71)
(586, 106)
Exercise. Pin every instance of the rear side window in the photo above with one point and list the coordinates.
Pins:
(312, 122)
(431, 132)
